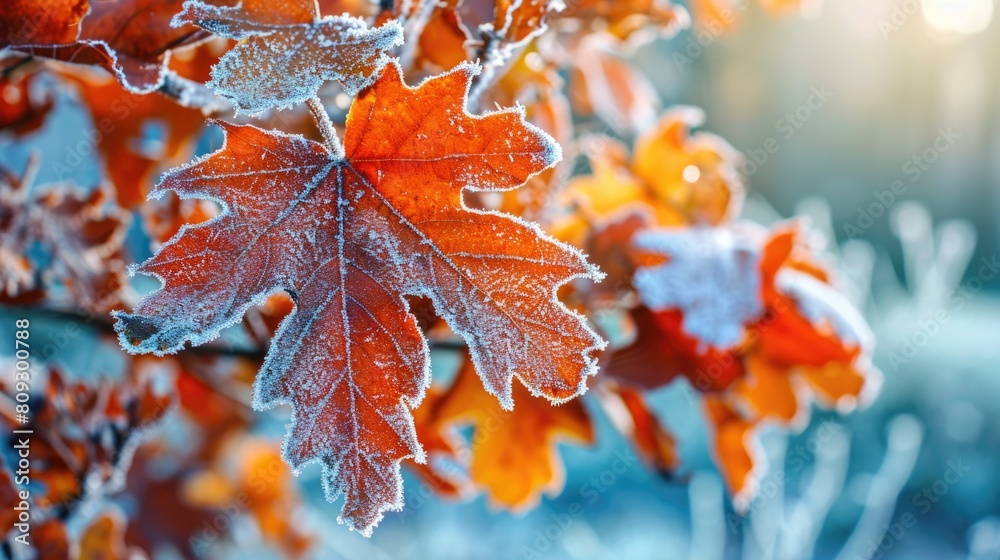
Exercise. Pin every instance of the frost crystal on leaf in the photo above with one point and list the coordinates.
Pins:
(822, 305)
(351, 237)
(713, 276)
(286, 54)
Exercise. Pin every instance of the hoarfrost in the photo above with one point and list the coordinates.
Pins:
(822, 304)
(279, 63)
(713, 276)
(385, 223)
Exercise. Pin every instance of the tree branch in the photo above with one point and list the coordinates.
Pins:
(105, 325)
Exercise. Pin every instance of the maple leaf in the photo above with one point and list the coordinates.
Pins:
(348, 238)
(286, 54)
(513, 455)
(680, 178)
(129, 38)
(758, 335)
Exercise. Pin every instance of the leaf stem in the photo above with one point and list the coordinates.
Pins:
(325, 126)
(188, 93)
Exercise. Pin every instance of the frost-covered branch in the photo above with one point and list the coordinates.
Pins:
(188, 93)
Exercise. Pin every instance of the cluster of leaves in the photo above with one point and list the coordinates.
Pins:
(432, 225)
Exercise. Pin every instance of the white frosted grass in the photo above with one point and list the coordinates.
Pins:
(713, 276)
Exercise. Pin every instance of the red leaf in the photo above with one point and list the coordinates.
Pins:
(129, 38)
(348, 238)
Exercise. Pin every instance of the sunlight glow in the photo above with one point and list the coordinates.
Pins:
(961, 16)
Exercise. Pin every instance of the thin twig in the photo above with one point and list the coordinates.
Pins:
(413, 27)
(494, 55)
(104, 324)
(188, 93)
(10, 70)
(325, 126)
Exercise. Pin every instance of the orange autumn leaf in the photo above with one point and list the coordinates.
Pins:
(437, 444)
(606, 85)
(104, 539)
(754, 307)
(695, 173)
(734, 446)
(810, 328)
(348, 238)
(625, 18)
(314, 50)
(791, 335)
(681, 178)
(631, 415)
(513, 452)
(129, 38)
(442, 41)
(520, 20)
(251, 471)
